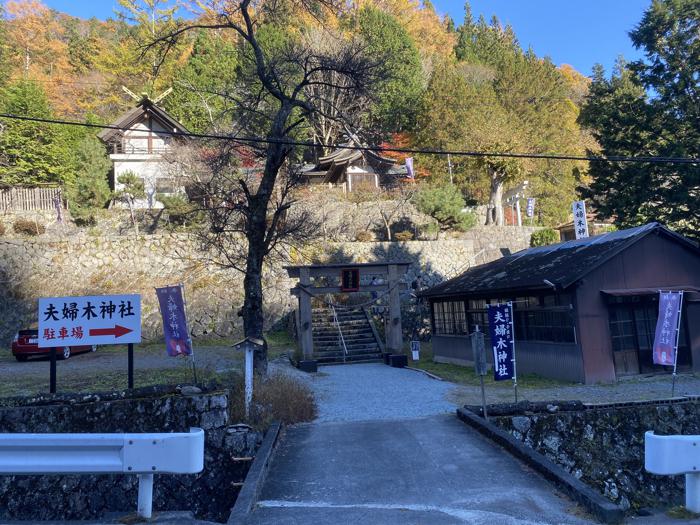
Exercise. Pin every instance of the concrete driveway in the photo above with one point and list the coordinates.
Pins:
(431, 470)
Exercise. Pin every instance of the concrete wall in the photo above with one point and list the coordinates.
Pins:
(210, 494)
(604, 447)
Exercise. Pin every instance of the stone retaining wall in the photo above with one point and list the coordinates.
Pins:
(604, 447)
(81, 264)
(210, 494)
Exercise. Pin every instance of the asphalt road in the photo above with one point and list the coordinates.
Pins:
(412, 471)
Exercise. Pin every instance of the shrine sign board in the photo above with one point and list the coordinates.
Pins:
(89, 320)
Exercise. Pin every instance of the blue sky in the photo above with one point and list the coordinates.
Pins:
(579, 33)
(575, 32)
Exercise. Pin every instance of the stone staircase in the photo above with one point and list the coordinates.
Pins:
(360, 341)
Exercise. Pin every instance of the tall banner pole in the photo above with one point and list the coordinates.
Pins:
(678, 335)
(189, 335)
(512, 335)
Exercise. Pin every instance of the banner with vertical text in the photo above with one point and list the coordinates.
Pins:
(502, 341)
(665, 338)
(172, 308)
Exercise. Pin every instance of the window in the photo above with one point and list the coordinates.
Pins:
(165, 185)
(545, 325)
(450, 318)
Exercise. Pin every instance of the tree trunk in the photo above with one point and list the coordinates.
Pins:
(495, 212)
(133, 217)
(253, 320)
(256, 234)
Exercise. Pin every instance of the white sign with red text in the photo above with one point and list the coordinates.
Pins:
(89, 320)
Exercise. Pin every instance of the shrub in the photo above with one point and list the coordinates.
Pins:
(180, 210)
(430, 230)
(544, 237)
(445, 204)
(27, 227)
(364, 236)
(404, 235)
(279, 397)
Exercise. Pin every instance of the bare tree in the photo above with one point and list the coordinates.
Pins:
(339, 106)
(395, 204)
(249, 215)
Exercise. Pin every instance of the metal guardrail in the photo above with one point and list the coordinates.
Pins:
(673, 455)
(140, 454)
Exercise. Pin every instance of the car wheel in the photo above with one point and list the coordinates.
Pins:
(93, 348)
(65, 353)
(21, 358)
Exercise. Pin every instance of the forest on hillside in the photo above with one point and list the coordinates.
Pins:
(470, 87)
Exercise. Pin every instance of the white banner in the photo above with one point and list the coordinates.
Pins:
(580, 221)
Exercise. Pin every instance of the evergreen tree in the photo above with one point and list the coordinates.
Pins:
(89, 191)
(651, 107)
(398, 96)
(30, 152)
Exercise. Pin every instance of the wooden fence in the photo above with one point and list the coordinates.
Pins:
(29, 199)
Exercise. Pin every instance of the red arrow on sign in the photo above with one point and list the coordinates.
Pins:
(117, 331)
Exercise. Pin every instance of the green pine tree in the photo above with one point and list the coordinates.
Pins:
(647, 108)
(30, 152)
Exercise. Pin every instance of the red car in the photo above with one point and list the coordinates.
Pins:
(26, 344)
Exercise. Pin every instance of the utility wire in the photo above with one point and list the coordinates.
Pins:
(375, 149)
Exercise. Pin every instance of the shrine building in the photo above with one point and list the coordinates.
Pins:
(584, 310)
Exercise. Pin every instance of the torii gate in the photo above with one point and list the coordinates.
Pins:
(321, 279)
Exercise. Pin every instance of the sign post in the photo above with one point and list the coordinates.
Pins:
(668, 330)
(501, 330)
(415, 350)
(249, 345)
(480, 364)
(89, 320)
(52, 371)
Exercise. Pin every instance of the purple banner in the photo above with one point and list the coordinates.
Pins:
(172, 308)
(530, 210)
(409, 168)
(502, 341)
(666, 328)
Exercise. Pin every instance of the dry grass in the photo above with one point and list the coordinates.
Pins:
(279, 397)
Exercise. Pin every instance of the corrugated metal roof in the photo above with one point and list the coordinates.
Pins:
(561, 264)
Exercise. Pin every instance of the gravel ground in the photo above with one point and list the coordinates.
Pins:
(638, 388)
(376, 391)
(373, 391)
(148, 357)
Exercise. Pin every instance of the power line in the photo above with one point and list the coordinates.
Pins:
(375, 149)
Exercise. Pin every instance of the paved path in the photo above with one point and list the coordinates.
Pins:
(388, 449)
(429, 470)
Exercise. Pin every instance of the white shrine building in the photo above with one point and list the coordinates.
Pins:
(137, 143)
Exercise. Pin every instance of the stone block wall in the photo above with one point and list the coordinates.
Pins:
(604, 447)
(209, 494)
(81, 264)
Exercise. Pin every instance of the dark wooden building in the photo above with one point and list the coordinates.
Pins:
(355, 170)
(585, 310)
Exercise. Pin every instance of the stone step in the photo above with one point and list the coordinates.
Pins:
(351, 349)
(341, 319)
(369, 358)
(326, 334)
(346, 335)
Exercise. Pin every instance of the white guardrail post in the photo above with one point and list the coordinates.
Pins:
(141, 454)
(674, 455)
